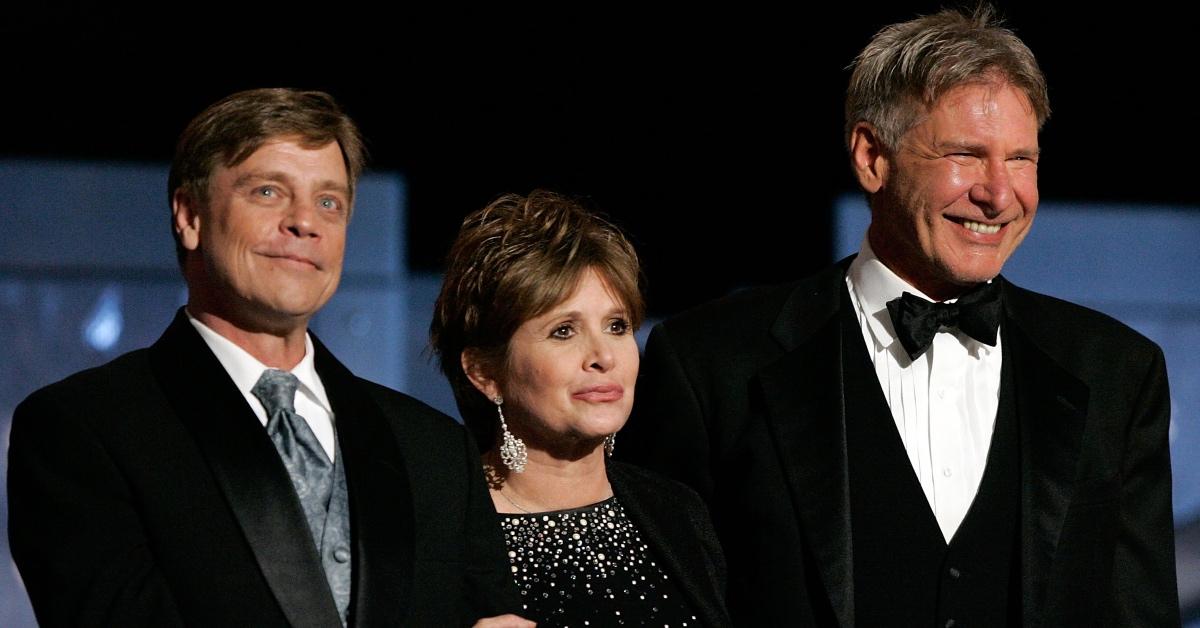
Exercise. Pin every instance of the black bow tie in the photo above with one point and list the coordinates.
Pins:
(976, 313)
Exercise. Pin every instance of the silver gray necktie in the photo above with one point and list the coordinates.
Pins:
(314, 477)
(305, 459)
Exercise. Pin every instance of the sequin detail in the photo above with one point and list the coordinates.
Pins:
(590, 567)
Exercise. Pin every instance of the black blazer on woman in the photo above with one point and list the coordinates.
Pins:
(676, 526)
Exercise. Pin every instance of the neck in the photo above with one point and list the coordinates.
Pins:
(548, 483)
(276, 349)
(928, 283)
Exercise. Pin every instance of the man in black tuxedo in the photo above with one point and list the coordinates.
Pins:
(147, 491)
(873, 459)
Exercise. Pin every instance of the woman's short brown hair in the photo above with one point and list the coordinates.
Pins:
(512, 261)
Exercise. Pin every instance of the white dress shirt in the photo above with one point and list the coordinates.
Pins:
(244, 369)
(944, 404)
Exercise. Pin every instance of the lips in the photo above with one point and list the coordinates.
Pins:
(978, 228)
(297, 259)
(600, 394)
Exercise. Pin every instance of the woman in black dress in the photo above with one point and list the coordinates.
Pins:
(534, 329)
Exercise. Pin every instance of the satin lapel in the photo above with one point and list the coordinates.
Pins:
(802, 394)
(650, 512)
(1051, 412)
(381, 516)
(247, 467)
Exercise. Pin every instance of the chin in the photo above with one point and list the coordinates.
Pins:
(969, 268)
(601, 428)
(294, 305)
(975, 273)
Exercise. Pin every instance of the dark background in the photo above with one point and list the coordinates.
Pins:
(712, 135)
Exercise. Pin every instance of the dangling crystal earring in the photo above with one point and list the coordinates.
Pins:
(512, 449)
(610, 443)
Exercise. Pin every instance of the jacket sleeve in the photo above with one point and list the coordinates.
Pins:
(1144, 586)
(74, 528)
(710, 545)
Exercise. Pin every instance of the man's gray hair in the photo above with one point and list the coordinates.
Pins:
(907, 67)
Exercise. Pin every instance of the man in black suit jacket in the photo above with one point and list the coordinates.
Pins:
(873, 459)
(146, 491)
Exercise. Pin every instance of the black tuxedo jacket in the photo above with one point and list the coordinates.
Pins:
(146, 493)
(742, 400)
(675, 524)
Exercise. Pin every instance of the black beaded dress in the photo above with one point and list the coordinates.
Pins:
(590, 566)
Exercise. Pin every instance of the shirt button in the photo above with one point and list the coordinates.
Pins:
(947, 472)
(941, 393)
(341, 554)
(955, 573)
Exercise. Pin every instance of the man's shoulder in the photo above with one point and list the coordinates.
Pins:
(109, 382)
(410, 411)
(98, 399)
(1059, 324)
(435, 449)
(746, 316)
(404, 414)
(746, 305)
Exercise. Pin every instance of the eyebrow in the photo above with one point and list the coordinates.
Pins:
(576, 314)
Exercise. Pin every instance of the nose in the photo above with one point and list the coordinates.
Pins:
(994, 191)
(600, 356)
(301, 219)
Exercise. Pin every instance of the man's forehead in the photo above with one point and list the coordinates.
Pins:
(981, 92)
(281, 148)
(251, 148)
(978, 106)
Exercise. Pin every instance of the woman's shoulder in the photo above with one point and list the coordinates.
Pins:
(662, 506)
(630, 480)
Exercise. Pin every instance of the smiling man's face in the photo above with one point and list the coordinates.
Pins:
(268, 243)
(959, 194)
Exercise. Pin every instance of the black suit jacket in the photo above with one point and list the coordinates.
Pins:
(742, 399)
(675, 524)
(146, 492)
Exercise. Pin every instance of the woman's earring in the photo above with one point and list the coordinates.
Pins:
(512, 449)
(610, 443)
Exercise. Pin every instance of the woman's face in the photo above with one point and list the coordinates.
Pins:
(568, 381)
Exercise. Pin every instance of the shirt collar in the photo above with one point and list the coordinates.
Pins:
(244, 369)
(874, 284)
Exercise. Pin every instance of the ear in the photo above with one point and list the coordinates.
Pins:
(186, 217)
(478, 372)
(868, 158)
